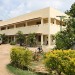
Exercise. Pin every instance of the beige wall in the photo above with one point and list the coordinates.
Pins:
(42, 28)
(35, 14)
(54, 13)
(28, 29)
(27, 24)
(55, 28)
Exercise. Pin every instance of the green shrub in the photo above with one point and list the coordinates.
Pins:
(12, 43)
(4, 38)
(21, 57)
(61, 61)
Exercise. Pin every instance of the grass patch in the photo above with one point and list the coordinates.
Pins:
(17, 71)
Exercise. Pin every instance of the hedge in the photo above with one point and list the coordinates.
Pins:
(21, 57)
(60, 61)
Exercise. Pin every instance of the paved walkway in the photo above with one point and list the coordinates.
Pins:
(4, 59)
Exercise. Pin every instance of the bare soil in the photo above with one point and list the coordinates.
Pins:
(4, 59)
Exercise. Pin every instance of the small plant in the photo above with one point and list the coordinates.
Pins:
(36, 56)
(21, 57)
(12, 43)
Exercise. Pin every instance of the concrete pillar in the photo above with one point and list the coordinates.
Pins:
(6, 27)
(49, 39)
(0, 28)
(41, 39)
(26, 23)
(41, 21)
(14, 39)
(14, 25)
(54, 21)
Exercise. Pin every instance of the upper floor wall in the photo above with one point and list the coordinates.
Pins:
(43, 13)
(38, 25)
(27, 29)
(40, 18)
(54, 13)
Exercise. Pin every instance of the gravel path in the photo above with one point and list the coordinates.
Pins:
(4, 59)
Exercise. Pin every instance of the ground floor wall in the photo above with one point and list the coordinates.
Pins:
(41, 39)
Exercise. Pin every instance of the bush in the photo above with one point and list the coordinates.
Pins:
(4, 38)
(60, 61)
(31, 39)
(65, 39)
(12, 43)
(20, 37)
(21, 57)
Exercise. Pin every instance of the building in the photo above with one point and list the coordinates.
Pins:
(43, 22)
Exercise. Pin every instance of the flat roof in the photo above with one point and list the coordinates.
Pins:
(42, 13)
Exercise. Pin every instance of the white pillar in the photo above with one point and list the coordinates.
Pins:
(6, 27)
(14, 39)
(0, 28)
(41, 32)
(54, 21)
(14, 25)
(41, 39)
(41, 21)
(49, 39)
(26, 23)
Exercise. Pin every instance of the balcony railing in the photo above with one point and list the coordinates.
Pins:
(27, 29)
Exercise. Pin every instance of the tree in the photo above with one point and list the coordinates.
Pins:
(28, 40)
(20, 38)
(4, 38)
(71, 12)
(66, 38)
(31, 40)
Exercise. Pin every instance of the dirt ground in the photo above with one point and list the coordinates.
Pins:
(4, 59)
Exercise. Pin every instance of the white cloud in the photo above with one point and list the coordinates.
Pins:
(17, 11)
(56, 4)
(18, 7)
(7, 2)
(30, 5)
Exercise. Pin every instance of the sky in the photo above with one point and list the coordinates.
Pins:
(13, 8)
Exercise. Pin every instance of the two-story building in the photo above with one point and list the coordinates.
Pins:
(43, 22)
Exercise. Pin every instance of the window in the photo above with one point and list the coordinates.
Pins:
(10, 27)
(20, 25)
(45, 20)
(3, 28)
(38, 22)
